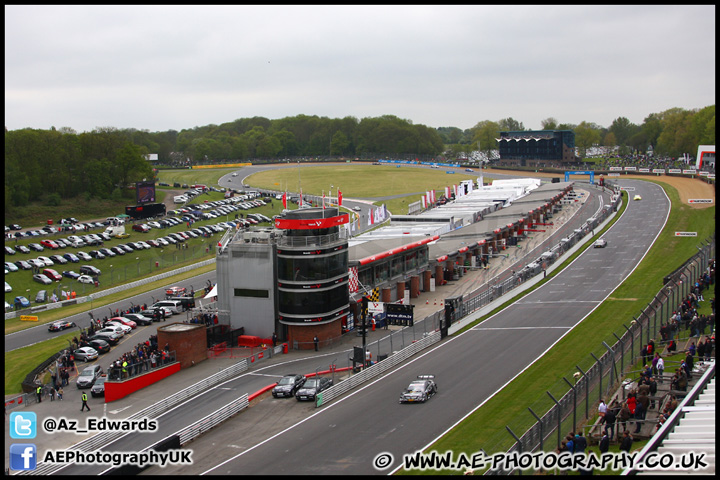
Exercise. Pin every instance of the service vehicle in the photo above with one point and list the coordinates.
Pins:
(312, 387)
(288, 385)
(420, 390)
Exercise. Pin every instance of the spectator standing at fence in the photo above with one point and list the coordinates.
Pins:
(602, 409)
(604, 444)
(60, 393)
(610, 418)
(660, 368)
(626, 444)
(580, 443)
(652, 384)
(38, 392)
(570, 443)
(688, 363)
(643, 402)
(624, 416)
(654, 363)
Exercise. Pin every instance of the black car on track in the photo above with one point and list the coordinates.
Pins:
(420, 390)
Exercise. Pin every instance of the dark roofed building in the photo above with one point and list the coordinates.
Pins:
(537, 148)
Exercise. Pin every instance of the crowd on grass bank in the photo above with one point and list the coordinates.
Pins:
(643, 397)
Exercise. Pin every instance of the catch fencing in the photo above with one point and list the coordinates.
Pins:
(573, 399)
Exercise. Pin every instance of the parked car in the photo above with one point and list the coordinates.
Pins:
(116, 329)
(98, 389)
(36, 247)
(175, 306)
(107, 252)
(49, 244)
(138, 318)
(8, 288)
(100, 345)
(22, 249)
(59, 259)
(110, 337)
(87, 279)
(141, 228)
(84, 256)
(36, 263)
(312, 387)
(90, 270)
(125, 329)
(70, 274)
(22, 302)
(85, 354)
(124, 321)
(41, 296)
(87, 378)
(71, 257)
(40, 278)
(23, 264)
(60, 325)
(96, 254)
(9, 251)
(288, 385)
(52, 274)
(11, 267)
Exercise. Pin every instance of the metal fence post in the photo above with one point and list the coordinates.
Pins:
(559, 418)
(599, 365)
(612, 359)
(632, 342)
(622, 353)
(574, 403)
(587, 392)
(542, 436)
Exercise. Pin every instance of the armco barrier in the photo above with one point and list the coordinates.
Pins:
(380, 367)
(217, 417)
(98, 441)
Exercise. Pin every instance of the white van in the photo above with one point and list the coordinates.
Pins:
(175, 306)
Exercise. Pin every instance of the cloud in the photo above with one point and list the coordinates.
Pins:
(159, 68)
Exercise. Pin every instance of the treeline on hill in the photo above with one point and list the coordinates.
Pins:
(669, 133)
(60, 164)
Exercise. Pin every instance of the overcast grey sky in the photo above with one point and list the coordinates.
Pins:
(158, 68)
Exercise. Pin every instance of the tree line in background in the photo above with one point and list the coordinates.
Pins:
(670, 133)
(60, 164)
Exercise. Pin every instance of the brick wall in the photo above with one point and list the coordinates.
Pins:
(304, 334)
(188, 341)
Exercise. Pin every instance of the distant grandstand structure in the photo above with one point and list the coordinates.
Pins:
(537, 148)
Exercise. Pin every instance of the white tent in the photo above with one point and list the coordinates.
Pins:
(213, 293)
